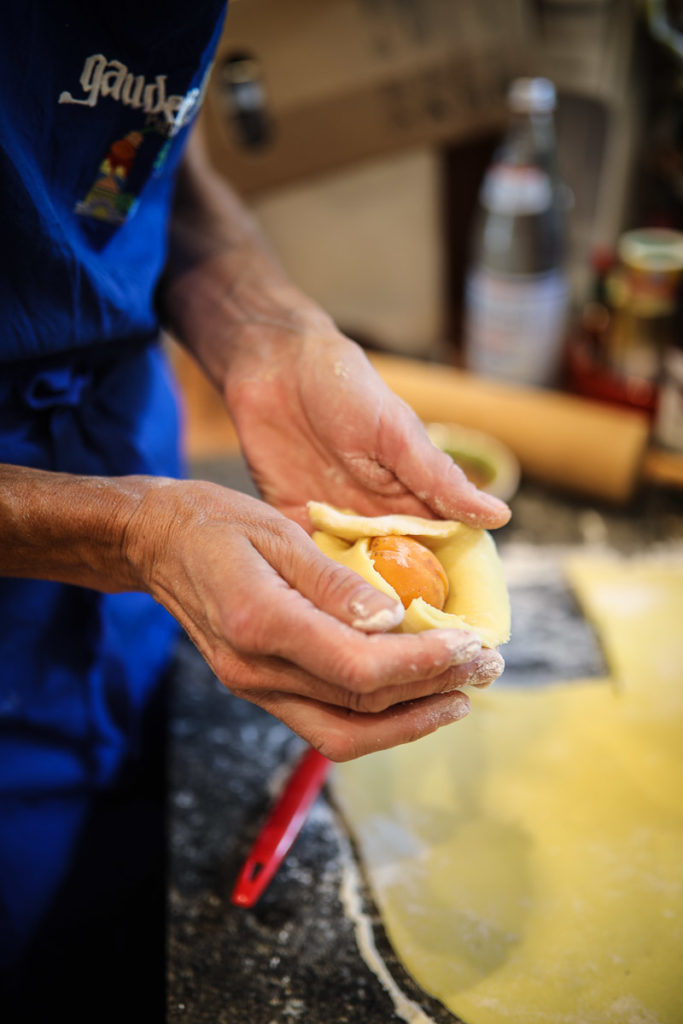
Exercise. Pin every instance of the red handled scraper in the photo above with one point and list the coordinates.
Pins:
(281, 827)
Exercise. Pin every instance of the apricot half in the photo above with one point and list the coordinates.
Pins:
(410, 568)
(477, 597)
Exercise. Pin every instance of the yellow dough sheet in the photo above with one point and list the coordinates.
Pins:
(528, 861)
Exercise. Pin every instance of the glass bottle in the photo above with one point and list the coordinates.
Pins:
(517, 290)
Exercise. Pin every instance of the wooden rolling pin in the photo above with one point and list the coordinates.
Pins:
(572, 443)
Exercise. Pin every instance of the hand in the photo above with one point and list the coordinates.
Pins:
(284, 627)
(316, 421)
(314, 418)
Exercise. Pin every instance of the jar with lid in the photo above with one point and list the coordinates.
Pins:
(645, 296)
(517, 289)
(648, 339)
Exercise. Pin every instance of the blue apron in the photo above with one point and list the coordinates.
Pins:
(78, 668)
(96, 108)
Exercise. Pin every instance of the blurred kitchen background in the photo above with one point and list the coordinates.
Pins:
(360, 133)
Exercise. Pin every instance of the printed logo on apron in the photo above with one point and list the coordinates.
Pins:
(158, 118)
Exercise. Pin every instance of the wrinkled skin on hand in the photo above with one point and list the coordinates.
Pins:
(278, 623)
(317, 422)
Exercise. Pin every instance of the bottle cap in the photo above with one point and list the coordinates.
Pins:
(531, 96)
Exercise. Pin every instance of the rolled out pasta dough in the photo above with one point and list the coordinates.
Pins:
(477, 599)
(528, 862)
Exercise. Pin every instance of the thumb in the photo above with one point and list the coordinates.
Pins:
(344, 594)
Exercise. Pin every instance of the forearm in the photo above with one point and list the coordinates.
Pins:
(222, 281)
(60, 526)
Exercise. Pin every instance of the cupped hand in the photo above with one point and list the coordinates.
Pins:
(286, 628)
(316, 421)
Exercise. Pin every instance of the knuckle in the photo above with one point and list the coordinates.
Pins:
(373, 702)
(347, 674)
(282, 529)
(358, 673)
(246, 630)
(339, 746)
(336, 582)
(234, 672)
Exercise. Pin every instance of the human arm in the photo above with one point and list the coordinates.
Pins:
(278, 622)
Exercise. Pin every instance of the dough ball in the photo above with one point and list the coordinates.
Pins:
(410, 568)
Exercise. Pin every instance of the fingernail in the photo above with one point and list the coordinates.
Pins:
(374, 612)
(456, 709)
(462, 647)
(492, 501)
(495, 505)
(487, 667)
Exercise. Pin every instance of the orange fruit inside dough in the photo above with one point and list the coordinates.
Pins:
(411, 569)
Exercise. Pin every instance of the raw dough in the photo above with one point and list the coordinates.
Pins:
(528, 862)
(478, 598)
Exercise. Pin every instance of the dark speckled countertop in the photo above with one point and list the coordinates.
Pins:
(293, 959)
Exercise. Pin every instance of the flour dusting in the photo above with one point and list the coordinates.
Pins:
(350, 895)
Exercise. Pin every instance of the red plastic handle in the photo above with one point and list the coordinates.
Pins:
(281, 827)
